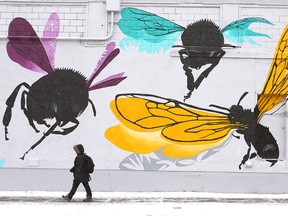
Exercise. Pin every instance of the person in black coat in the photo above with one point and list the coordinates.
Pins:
(81, 175)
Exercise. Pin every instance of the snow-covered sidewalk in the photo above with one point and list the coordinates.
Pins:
(142, 204)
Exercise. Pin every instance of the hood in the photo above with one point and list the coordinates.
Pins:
(79, 149)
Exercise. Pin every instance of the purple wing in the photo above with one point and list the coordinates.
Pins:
(109, 81)
(51, 32)
(25, 48)
(109, 54)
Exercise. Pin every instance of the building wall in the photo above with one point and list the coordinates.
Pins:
(140, 164)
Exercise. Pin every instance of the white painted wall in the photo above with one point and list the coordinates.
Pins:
(242, 69)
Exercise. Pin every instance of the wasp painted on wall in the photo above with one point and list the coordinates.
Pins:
(202, 41)
(150, 123)
(62, 93)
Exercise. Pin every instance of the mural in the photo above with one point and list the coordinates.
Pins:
(2, 162)
(62, 93)
(151, 123)
(156, 161)
(202, 41)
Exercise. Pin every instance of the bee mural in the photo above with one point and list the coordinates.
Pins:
(2, 162)
(150, 123)
(202, 41)
(62, 93)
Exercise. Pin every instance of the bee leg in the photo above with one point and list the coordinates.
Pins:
(237, 137)
(215, 61)
(10, 104)
(93, 107)
(190, 81)
(51, 129)
(43, 122)
(67, 130)
(6, 133)
(253, 155)
(245, 158)
(247, 155)
(26, 112)
(188, 95)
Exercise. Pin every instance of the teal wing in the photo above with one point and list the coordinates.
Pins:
(238, 31)
(147, 31)
(2, 162)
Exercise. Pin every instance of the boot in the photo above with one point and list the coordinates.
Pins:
(88, 199)
(67, 198)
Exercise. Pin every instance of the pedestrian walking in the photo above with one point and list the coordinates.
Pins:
(83, 166)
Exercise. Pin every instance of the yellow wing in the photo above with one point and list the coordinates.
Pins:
(276, 85)
(150, 123)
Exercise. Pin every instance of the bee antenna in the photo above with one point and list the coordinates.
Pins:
(219, 107)
(241, 98)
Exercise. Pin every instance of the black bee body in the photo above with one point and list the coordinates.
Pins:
(203, 33)
(202, 42)
(254, 133)
(61, 95)
(265, 144)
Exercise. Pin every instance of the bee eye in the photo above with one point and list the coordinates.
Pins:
(185, 55)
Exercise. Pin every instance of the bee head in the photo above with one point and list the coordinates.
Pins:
(236, 108)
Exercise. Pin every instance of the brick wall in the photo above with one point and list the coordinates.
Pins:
(76, 18)
(73, 17)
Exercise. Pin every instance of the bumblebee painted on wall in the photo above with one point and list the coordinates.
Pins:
(182, 131)
(63, 93)
(202, 41)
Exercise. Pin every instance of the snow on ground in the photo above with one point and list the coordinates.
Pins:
(142, 204)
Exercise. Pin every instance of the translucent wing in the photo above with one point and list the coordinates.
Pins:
(147, 31)
(150, 123)
(51, 32)
(112, 80)
(108, 55)
(25, 47)
(239, 32)
(276, 86)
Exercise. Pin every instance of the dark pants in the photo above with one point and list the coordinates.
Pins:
(75, 186)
